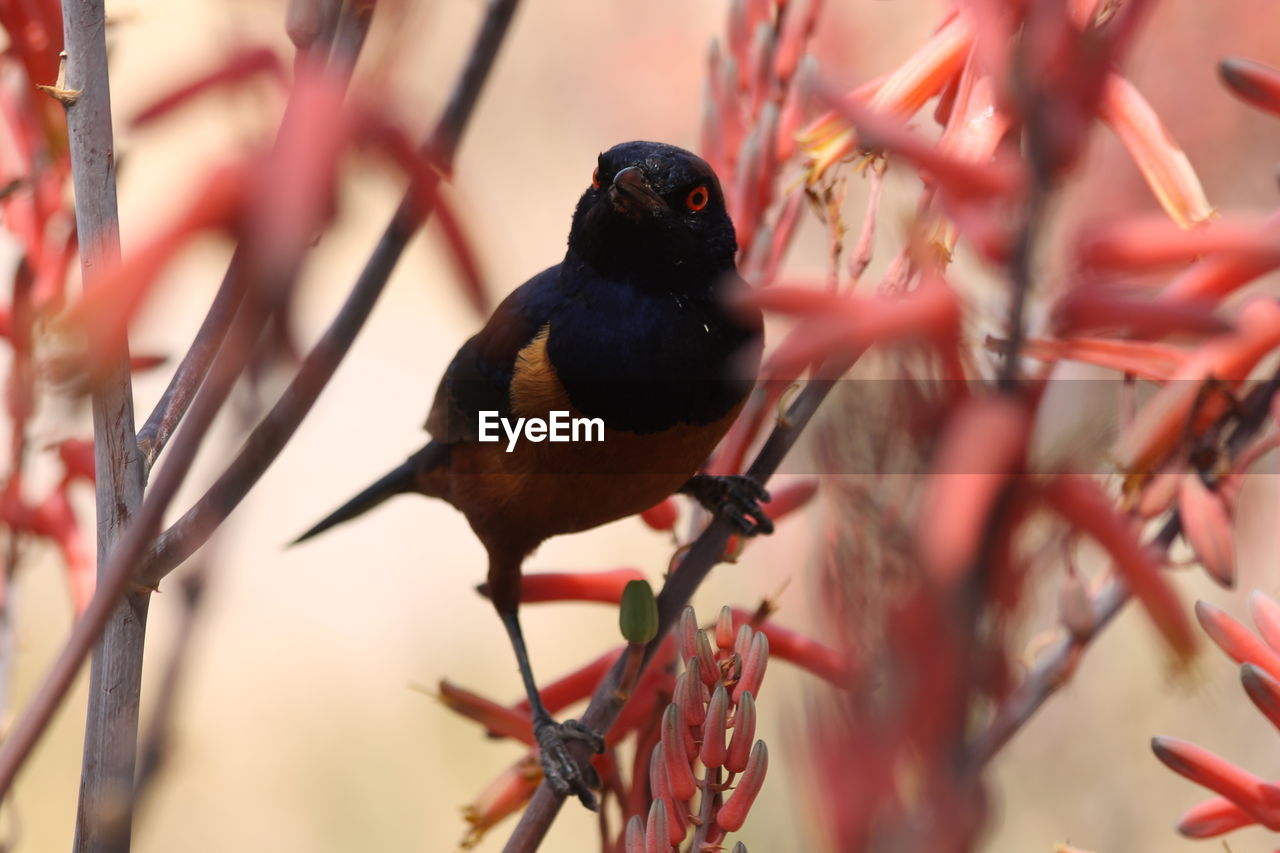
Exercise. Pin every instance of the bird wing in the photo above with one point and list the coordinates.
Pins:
(479, 377)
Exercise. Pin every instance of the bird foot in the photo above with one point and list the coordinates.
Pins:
(560, 768)
(735, 497)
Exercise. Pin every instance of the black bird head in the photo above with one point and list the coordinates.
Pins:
(654, 211)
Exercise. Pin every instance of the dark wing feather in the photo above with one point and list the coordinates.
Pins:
(479, 377)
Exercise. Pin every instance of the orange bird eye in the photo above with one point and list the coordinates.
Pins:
(698, 198)
(595, 178)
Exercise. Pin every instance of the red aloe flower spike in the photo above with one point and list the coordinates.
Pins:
(687, 635)
(713, 729)
(499, 719)
(959, 177)
(848, 325)
(1236, 640)
(744, 733)
(1266, 615)
(734, 812)
(1081, 502)
(1254, 82)
(742, 643)
(823, 661)
(753, 667)
(783, 232)
(797, 29)
(924, 74)
(1227, 358)
(660, 783)
(658, 831)
(1206, 524)
(1165, 167)
(1263, 690)
(1144, 360)
(504, 796)
(691, 743)
(679, 773)
(1090, 308)
(1160, 491)
(604, 587)
(758, 66)
(709, 669)
(1150, 243)
(635, 835)
(1215, 816)
(1218, 276)
(1256, 796)
(688, 694)
(982, 446)
(724, 629)
(662, 516)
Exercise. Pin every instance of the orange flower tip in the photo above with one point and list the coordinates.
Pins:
(679, 773)
(744, 733)
(635, 835)
(753, 667)
(1173, 753)
(1263, 689)
(658, 831)
(1266, 616)
(733, 813)
(1090, 309)
(1213, 817)
(707, 665)
(1253, 82)
(724, 629)
(1206, 526)
(713, 729)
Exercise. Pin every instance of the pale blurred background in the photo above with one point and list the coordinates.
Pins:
(298, 729)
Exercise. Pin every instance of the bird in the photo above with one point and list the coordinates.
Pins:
(638, 327)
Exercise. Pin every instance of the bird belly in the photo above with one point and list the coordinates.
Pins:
(517, 495)
(539, 490)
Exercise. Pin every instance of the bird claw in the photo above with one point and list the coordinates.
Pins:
(559, 767)
(734, 496)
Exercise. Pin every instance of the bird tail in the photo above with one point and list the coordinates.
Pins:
(398, 481)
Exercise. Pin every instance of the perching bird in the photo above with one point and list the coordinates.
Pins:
(631, 328)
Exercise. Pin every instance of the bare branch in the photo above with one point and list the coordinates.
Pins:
(186, 380)
(115, 679)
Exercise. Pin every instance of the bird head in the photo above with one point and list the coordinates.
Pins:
(654, 211)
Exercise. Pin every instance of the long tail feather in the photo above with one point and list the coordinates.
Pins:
(398, 481)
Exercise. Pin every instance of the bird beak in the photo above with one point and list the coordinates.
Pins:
(631, 194)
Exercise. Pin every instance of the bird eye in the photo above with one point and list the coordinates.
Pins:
(595, 178)
(698, 198)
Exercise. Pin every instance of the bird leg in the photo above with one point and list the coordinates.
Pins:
(565, 773)
(735, 497)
